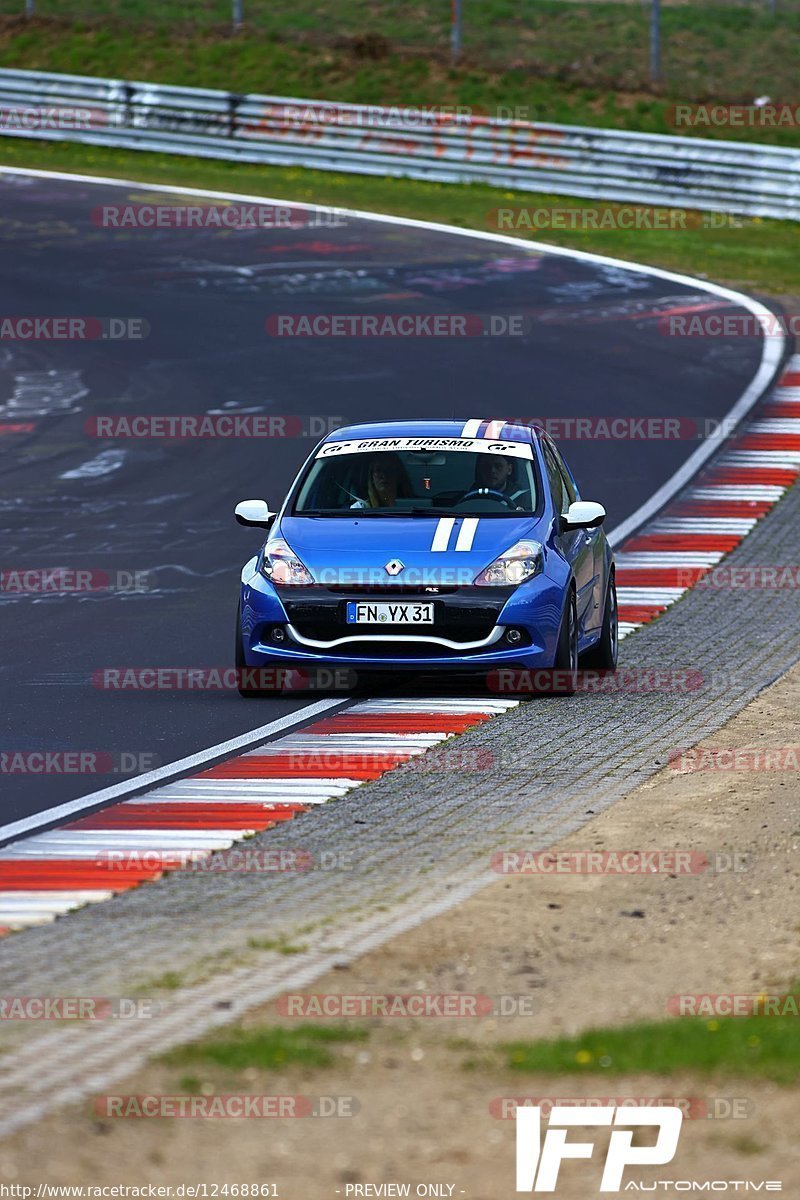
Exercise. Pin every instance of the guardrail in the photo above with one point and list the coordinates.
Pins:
(570, 160)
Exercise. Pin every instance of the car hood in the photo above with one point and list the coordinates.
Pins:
(355, 550)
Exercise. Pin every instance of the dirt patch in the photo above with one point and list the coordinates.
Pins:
(562, 953)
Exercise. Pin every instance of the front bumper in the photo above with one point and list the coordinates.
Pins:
(470, 629)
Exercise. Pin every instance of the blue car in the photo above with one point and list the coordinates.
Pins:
(430, 547)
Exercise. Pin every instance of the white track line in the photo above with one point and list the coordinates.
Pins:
(648, 595)
(736, 525)
(46, 901)
(101, 853)
(87, 843)
(435, 706)
(738, 491)
(667, 558)
(789, 459)
(776, 425)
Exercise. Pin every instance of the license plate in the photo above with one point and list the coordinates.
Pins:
(361, 612)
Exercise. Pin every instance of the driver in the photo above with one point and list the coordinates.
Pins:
(494, 474)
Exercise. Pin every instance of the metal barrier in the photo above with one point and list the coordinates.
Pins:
(569, 160)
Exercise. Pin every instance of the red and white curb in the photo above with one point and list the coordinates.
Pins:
(93, 858)
(692, 535)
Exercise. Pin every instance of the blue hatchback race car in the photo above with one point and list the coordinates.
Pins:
(430, 546)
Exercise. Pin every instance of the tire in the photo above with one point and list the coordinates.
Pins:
(245, 692)
(604, 655)
(566, 664)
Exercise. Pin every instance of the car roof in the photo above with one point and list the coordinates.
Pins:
(492, 430)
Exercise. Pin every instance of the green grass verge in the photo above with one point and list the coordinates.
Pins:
(753, 1047)
(555, 61)
(279, 945)
(758, 256)
(170, 981)
(267, 1048)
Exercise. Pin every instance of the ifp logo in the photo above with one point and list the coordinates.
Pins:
(538, 1165)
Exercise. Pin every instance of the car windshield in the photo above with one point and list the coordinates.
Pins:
(408, 482)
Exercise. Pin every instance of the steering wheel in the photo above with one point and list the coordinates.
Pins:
(487, 493)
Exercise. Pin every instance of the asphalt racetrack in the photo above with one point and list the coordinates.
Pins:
(593, 346)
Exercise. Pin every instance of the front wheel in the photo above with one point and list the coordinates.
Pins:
(566, 665)
(604, 654)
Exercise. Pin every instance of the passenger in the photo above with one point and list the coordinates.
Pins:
(386, 480)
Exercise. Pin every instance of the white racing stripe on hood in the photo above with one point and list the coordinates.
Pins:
(471, 428)
(466, 534)
(493, 430)
(441, 537)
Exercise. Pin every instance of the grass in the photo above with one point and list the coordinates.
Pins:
(758, 255)
(554, 61)
(170, 981)
(267, 1047)
(746, 1047)
(279, 945)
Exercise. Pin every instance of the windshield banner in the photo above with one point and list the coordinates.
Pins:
(433, 444)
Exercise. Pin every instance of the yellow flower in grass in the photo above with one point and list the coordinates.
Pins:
(712, 1026)
(583, 1057)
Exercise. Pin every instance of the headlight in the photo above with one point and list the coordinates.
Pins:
(521, 562)
(282, 566)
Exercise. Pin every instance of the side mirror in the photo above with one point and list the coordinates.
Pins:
(254, 512)
(583, 514)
